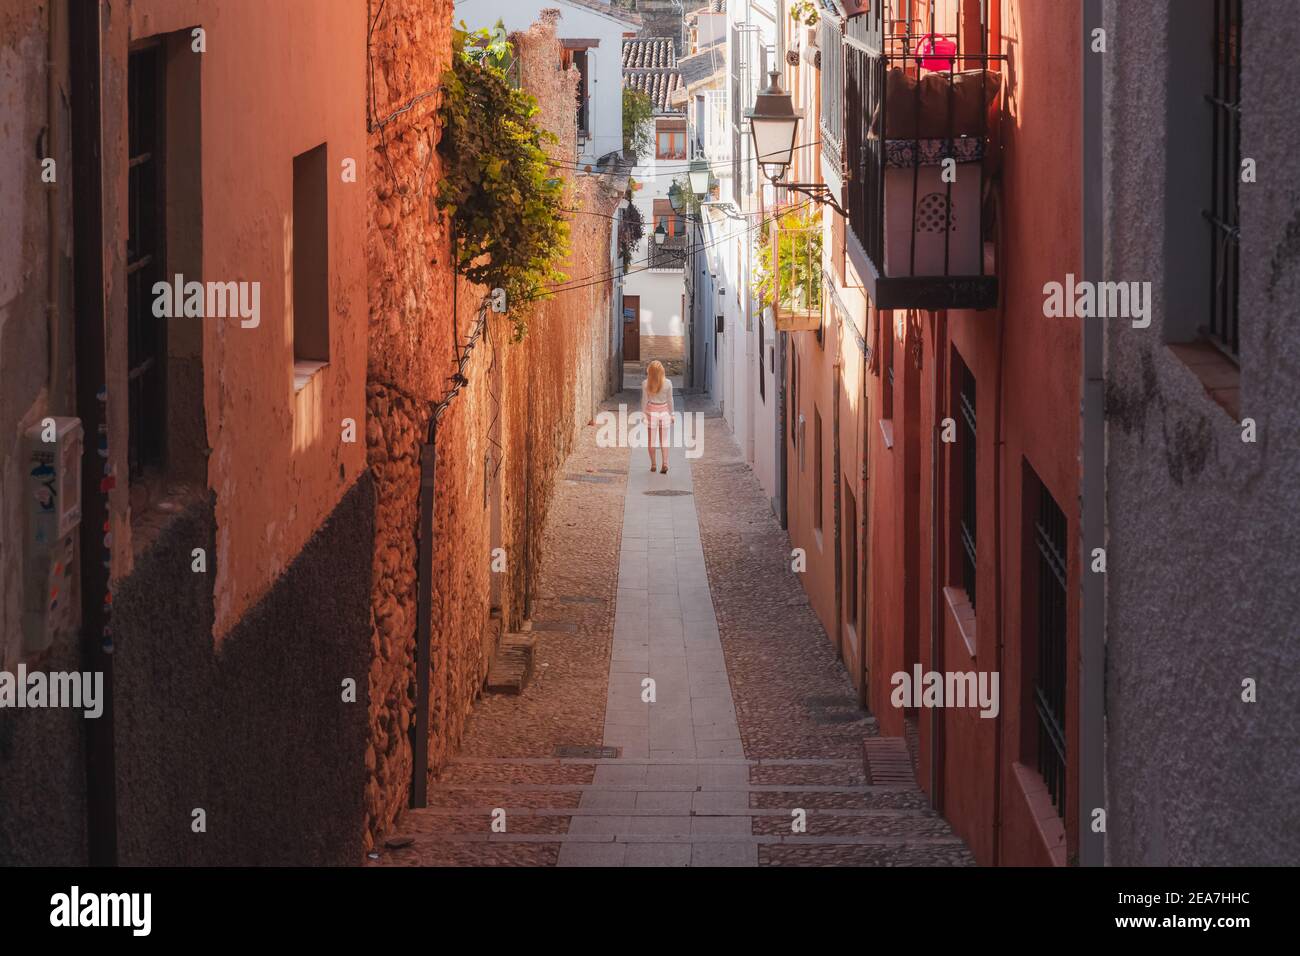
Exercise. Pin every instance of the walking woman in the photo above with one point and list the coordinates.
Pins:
(657, 407)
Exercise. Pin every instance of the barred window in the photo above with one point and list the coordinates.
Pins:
(1222, 214)
(965, 475)
(1048, 564)
(145, 252)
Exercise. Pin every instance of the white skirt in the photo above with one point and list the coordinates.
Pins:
(657, 414)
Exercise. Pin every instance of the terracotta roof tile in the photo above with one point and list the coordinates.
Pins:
(649, 53)
(650, 65)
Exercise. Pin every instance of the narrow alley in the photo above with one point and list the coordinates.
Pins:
(683, 579)
(334, 335)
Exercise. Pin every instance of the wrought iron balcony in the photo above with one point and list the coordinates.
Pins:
(671, 254)
(832, 90)
(788, 269)
(917, 141)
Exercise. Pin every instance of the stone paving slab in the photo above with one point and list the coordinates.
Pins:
(695, 594)
(665, 631)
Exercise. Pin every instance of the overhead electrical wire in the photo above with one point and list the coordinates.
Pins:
(574, 285)
(606, 276)
(679, 215)
(675, 166)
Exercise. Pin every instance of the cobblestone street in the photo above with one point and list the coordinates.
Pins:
(683, 579)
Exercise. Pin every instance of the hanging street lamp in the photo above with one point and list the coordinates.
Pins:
(675, 197)
(773, 124)
(700, 175)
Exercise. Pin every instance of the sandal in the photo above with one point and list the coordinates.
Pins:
(664, 469)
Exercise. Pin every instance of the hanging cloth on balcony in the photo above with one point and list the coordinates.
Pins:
(939, 105)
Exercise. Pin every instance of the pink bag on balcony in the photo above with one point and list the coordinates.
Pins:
(934, 52)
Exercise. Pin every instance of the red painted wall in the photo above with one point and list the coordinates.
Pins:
(1035, 365)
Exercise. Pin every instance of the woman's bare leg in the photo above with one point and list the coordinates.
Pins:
(650, 445)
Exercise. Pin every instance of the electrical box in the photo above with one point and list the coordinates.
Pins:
(52, 503)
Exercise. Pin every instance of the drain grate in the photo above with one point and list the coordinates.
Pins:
(887, 761)
(667, 493)
(597, 479)
(586, 753)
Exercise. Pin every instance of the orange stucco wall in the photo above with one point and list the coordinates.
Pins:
(263, 101)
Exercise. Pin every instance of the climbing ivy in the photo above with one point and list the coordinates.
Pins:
(631, 230)
(638, 123)
(505, 202)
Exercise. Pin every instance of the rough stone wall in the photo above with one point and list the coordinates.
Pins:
(537, 392)
(410, 289)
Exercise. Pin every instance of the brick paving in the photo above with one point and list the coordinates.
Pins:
(683, 578)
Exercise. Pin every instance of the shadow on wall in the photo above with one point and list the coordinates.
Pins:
(254, 732)
(43, 777)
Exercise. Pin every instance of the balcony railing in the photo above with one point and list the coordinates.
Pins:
(713, 129)
(832, 88)
(746, 75)
(916, 142)
(670, 255)
(788, 269)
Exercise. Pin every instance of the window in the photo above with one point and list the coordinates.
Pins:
(832, 90)
(145, 265)
(1047, 563)
(670, 141)
(850, 553)
(963, 472)
(671, 254)
(701, 122)
(1223, 212)
(580, 61)
(824, 300)
(794, 395)
(311, 339)
(673, 224)
(887, 349)
(817, 469)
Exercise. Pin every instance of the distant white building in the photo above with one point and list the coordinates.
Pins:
(591, 32)
(654, 307)
(730, 50)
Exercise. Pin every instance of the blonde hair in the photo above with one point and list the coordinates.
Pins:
(654, 377)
